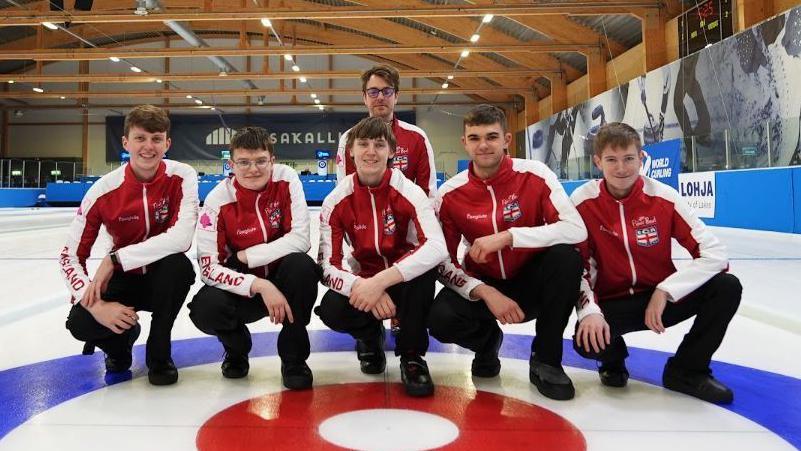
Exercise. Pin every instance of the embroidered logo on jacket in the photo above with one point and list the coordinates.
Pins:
(161, 210)
(400, 162)
(647, 236)
(389, 222)
(206, 223)
(511, 211)
(275, 218)
(643, 221)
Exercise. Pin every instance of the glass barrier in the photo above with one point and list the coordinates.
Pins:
(19, 173)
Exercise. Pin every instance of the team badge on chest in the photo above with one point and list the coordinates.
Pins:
(647, 236)
(389, 222)
(400, 162)
(273, 212)
(161, 210)
(511, 211)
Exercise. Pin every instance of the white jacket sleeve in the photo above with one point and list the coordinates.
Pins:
(297, 240)
(331, 252)
(450, 270)
(177, 238)
(212, 251)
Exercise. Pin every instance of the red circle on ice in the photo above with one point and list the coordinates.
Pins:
(290, 419)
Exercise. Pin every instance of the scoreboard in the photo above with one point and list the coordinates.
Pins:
(707, 22)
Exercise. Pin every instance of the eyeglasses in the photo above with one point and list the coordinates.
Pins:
(261, 163)
(389, 91)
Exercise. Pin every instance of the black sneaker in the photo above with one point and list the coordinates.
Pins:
(699, 384)
(235, 365)
(415, 376)
(372, 359)
(122, 362)
(550, 380)
(487, 363)
(614, 374)
(296, 376)
(162, 373)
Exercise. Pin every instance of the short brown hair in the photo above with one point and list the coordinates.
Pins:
(385, 71)
(148, 117)
(485, 115)
(615, 135)
(372, 128)
(251, 138)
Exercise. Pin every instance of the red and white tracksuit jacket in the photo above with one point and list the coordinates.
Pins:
(414, 156)
(525, 198)
(628, 249)
(146, 221)
(267, 224)
(391, 224)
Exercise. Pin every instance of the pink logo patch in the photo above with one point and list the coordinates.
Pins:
(205, 222)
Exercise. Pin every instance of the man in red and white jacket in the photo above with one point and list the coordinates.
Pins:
(630, 281)
(414, 155)
(397, 243)
(149, 208)
(520, 228)
(252, 239)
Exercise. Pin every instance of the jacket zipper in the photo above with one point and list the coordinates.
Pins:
(261, 221)
(628, 249)
(375, 231)
(495, 227)
(147, 220)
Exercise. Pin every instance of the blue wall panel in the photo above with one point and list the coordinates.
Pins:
(19, 197)
(759, 199)
(797, 199)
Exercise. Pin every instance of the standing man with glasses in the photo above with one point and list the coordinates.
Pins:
(414, 155)
(252, 239)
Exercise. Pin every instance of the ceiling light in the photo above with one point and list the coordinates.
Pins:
(199, 102)
(62, 97)
(450, 77)
(317, 101)
(313, 95)
(287, 57)
(266, 22)
(465, 53)
(189, 96)
(114, 58)
(487, 18)
(260, 102)
(50, 25)
(136, 69)
(158, 80)
(213, 109)
(296, 68)
(474, 38)
(39, 90)
(11, 82)
(320, 107)
(445, 85)
(303, 79)
(223, 73)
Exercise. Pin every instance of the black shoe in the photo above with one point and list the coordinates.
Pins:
(372, 359)
(122, 362)
(487, 363)
(699, 384)
(235, 365)
(614, 374)
(415, 376)
(162, 373)
(296, 376)
(550, 380)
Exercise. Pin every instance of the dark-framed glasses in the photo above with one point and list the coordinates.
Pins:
(389, 91)
(261, 163)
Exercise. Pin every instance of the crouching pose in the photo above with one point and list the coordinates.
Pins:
(252, 239)
(397, 242)
(149, 208)
(520, 226)
(630, 281)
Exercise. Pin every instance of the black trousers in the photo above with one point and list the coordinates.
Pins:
(162, 291)
(546, 288)
(225, 315)
(713, 305)
(412, 302)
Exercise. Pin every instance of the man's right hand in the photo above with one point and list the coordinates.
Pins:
(502, 307)
(114, 315)
(274, 300)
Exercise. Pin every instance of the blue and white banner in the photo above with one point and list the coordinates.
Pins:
(698, 189)
(661, 161)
